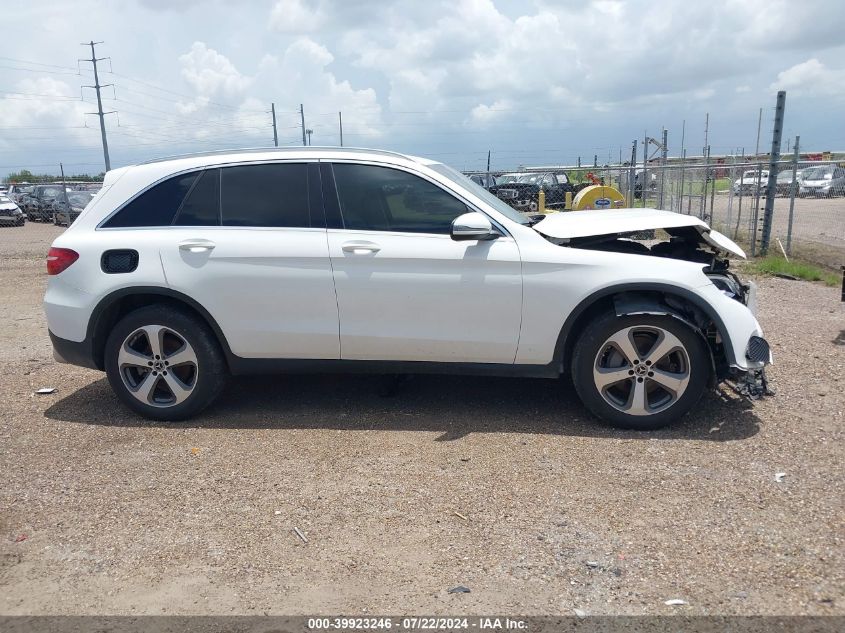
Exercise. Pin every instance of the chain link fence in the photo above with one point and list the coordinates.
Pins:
(808, 216)
(729, 194)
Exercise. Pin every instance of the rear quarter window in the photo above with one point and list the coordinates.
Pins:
(155, 207)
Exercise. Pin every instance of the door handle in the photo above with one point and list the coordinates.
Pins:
(360, 248)
(196, 246)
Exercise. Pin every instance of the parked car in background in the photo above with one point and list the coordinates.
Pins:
(187, 270)
(783, 185)
(38, 204)
(10, 213)
(750, 181)
(504, 179)
(66, 211)
(824, 180)
(485, 180)
(18, 191)
(523, 193)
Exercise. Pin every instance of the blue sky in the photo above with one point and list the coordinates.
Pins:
(534, 82)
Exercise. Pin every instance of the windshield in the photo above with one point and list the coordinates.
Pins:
(22, 189)
(459, 179)
(818, 173)
(79, 198)
(531, 179)
(4, 200)
(506, 178)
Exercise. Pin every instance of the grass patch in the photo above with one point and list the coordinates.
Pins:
(774, 265)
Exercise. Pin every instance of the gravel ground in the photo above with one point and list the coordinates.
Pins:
(505, 486)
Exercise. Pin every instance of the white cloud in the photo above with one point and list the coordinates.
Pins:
(296, 16)
(459, 76)
(209, 73)
(483, 114)
(304, 66)
(810, 78)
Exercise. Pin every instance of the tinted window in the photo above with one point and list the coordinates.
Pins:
(384, 199)
(265, 195)
(156, 206)
(202, 206)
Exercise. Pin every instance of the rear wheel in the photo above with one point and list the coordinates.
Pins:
(640, 372)
(164, 363)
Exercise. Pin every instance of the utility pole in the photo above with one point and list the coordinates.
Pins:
(94, 59)
(771, 186)
(302, 118)
(487, 181)
(64, 190)
(759, 123)
(340, 124)
(275, 133)
(706, 133)
(632, 169)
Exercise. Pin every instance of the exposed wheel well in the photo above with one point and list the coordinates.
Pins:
(653, 301)
(116, 306)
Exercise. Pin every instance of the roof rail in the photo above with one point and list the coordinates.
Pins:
(280, 150)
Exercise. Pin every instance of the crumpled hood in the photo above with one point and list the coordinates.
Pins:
(579, 224)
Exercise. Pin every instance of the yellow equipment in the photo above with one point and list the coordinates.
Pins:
(598, 197)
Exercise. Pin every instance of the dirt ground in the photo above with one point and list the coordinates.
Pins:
(505, 486)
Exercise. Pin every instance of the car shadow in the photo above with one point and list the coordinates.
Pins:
(452, 406)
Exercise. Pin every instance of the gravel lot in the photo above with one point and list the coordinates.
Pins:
(505, 486)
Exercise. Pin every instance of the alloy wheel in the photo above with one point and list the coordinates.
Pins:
(642, 370)
(158, 366)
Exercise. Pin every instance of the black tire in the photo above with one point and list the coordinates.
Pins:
(209, 373)
(593, 341)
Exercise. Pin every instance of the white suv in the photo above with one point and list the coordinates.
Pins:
(182, 271)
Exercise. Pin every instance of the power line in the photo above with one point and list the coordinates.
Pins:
(31, 63)
(38, 70)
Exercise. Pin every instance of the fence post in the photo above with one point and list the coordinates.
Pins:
(663, 156)
(632, 170)
(644, 186)
(739, 206)
(792, 190)
(730, 217)
(771, 186)
(756, 215)
(712, 194)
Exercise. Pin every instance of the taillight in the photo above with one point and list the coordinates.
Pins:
(58, 259)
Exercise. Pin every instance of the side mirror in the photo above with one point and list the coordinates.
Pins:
(473, 226)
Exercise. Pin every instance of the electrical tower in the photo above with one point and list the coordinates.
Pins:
(94, 59)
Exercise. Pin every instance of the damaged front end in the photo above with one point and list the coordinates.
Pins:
(664, 234)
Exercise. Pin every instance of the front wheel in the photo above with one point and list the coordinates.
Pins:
(640, 372)
(164, 363)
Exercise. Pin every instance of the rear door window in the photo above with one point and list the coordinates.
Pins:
(268, 195)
